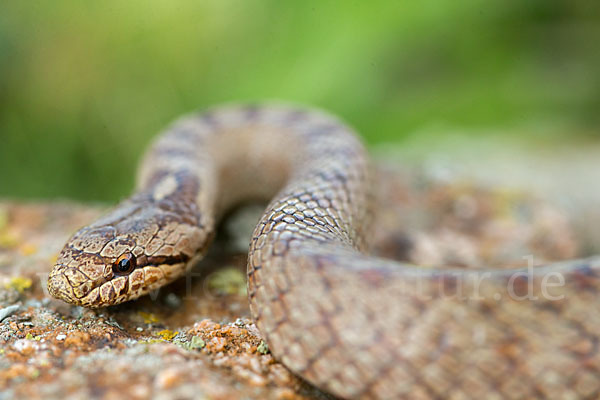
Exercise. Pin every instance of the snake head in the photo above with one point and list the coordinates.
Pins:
(123, 256)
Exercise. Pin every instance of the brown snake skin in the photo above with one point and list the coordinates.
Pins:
(354, 325)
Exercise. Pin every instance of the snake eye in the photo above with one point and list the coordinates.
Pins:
(124, 264)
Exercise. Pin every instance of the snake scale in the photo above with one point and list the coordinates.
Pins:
(351, 324)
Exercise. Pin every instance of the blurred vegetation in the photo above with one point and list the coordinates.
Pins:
(85, 84)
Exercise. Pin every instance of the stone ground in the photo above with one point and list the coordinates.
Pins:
(195, 338)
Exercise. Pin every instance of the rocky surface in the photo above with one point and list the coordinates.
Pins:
(195, 338)
(192, 339)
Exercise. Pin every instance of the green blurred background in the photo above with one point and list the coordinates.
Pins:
(85, 84)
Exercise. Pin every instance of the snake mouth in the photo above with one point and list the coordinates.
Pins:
(72, 286)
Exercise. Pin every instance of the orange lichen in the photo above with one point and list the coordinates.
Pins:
(19, 283)
(77, 339)
(148, 318)
(28, 249)
(167, 334)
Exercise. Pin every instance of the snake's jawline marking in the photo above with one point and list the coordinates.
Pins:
(349, 323)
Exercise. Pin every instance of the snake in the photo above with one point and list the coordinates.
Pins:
(348, 322)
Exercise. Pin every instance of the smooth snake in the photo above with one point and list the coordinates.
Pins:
(352, 324)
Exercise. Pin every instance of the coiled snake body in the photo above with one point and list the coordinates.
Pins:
(353, 325)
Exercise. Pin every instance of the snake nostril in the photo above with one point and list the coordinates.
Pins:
(125, 264)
